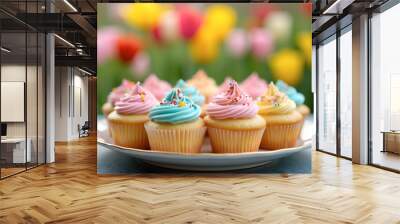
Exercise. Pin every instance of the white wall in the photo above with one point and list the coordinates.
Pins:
(71, 93)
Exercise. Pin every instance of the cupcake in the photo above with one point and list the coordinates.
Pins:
(157, 87)
(125, 87)
(225, 85)
(294, 95)
(232, 122)
(283, 120)
(254, 86)
(206, 85)
(127, 120)
(192, 93)
(175, 125)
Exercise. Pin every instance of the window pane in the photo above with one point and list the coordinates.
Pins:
(14, 153)
(327, 96)
(346, 94)
(385, 86)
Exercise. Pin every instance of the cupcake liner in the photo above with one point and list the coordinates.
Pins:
(235, 141)
(278, 136)
(108, 128)
(302, 125)
(129, 134)
(189, 140)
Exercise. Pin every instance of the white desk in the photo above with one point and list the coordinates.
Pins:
(19, 148)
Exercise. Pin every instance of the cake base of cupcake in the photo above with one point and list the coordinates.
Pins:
(281, 131)
(235, 135)
(128, 130)
(233, 141)
(178, 138)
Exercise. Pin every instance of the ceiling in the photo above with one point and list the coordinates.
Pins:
(331, 15)
(74, 21)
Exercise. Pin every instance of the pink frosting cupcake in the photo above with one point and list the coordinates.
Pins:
(126, 122)
(157, 87)
(233, 123)
(254, 86)
(225, 85)
(118, 92)
(232, 103)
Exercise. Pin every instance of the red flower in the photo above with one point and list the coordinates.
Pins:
(156, 33)
(189, 21)
(128, 47)
(306, 8)
(261, 11)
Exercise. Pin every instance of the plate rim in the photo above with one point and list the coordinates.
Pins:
(306, 143)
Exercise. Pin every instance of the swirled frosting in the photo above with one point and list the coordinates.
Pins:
(225, 85)
(157, 87)
(175, 108)
(118, 92)
(275, 102)
(139, 101)
(291, 92)
(190, 92)
(254, 85)
(203, 83)
(232, 103)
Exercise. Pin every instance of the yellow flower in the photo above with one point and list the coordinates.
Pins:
(220, 20)
(142, 15)
(287, 65)
(204, 46)
(304, 41)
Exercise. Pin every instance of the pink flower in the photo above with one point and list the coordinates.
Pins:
(237, 42)
(106, 42)
(189, 21)
(140, 64)
(261, 43)
(254, 85)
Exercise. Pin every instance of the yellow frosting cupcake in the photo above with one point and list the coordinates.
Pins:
(304, 110)
(282, 119)
(206, 85)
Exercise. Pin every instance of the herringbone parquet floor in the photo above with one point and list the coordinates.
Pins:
(70, 191)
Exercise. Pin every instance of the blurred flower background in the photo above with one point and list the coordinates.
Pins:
(173, 41)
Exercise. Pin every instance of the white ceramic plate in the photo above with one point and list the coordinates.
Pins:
(204, 161)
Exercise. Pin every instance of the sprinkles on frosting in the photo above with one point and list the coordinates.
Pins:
(175, 97)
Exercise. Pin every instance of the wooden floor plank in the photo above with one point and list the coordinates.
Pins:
(70, 191)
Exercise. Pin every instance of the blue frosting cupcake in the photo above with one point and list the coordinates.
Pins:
(190, 92)
(291, 92)
(175, 108)
(175, 125)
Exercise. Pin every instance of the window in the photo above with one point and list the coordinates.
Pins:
(327, 96)
(346, 93)
(385, 89)
(22, 75)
